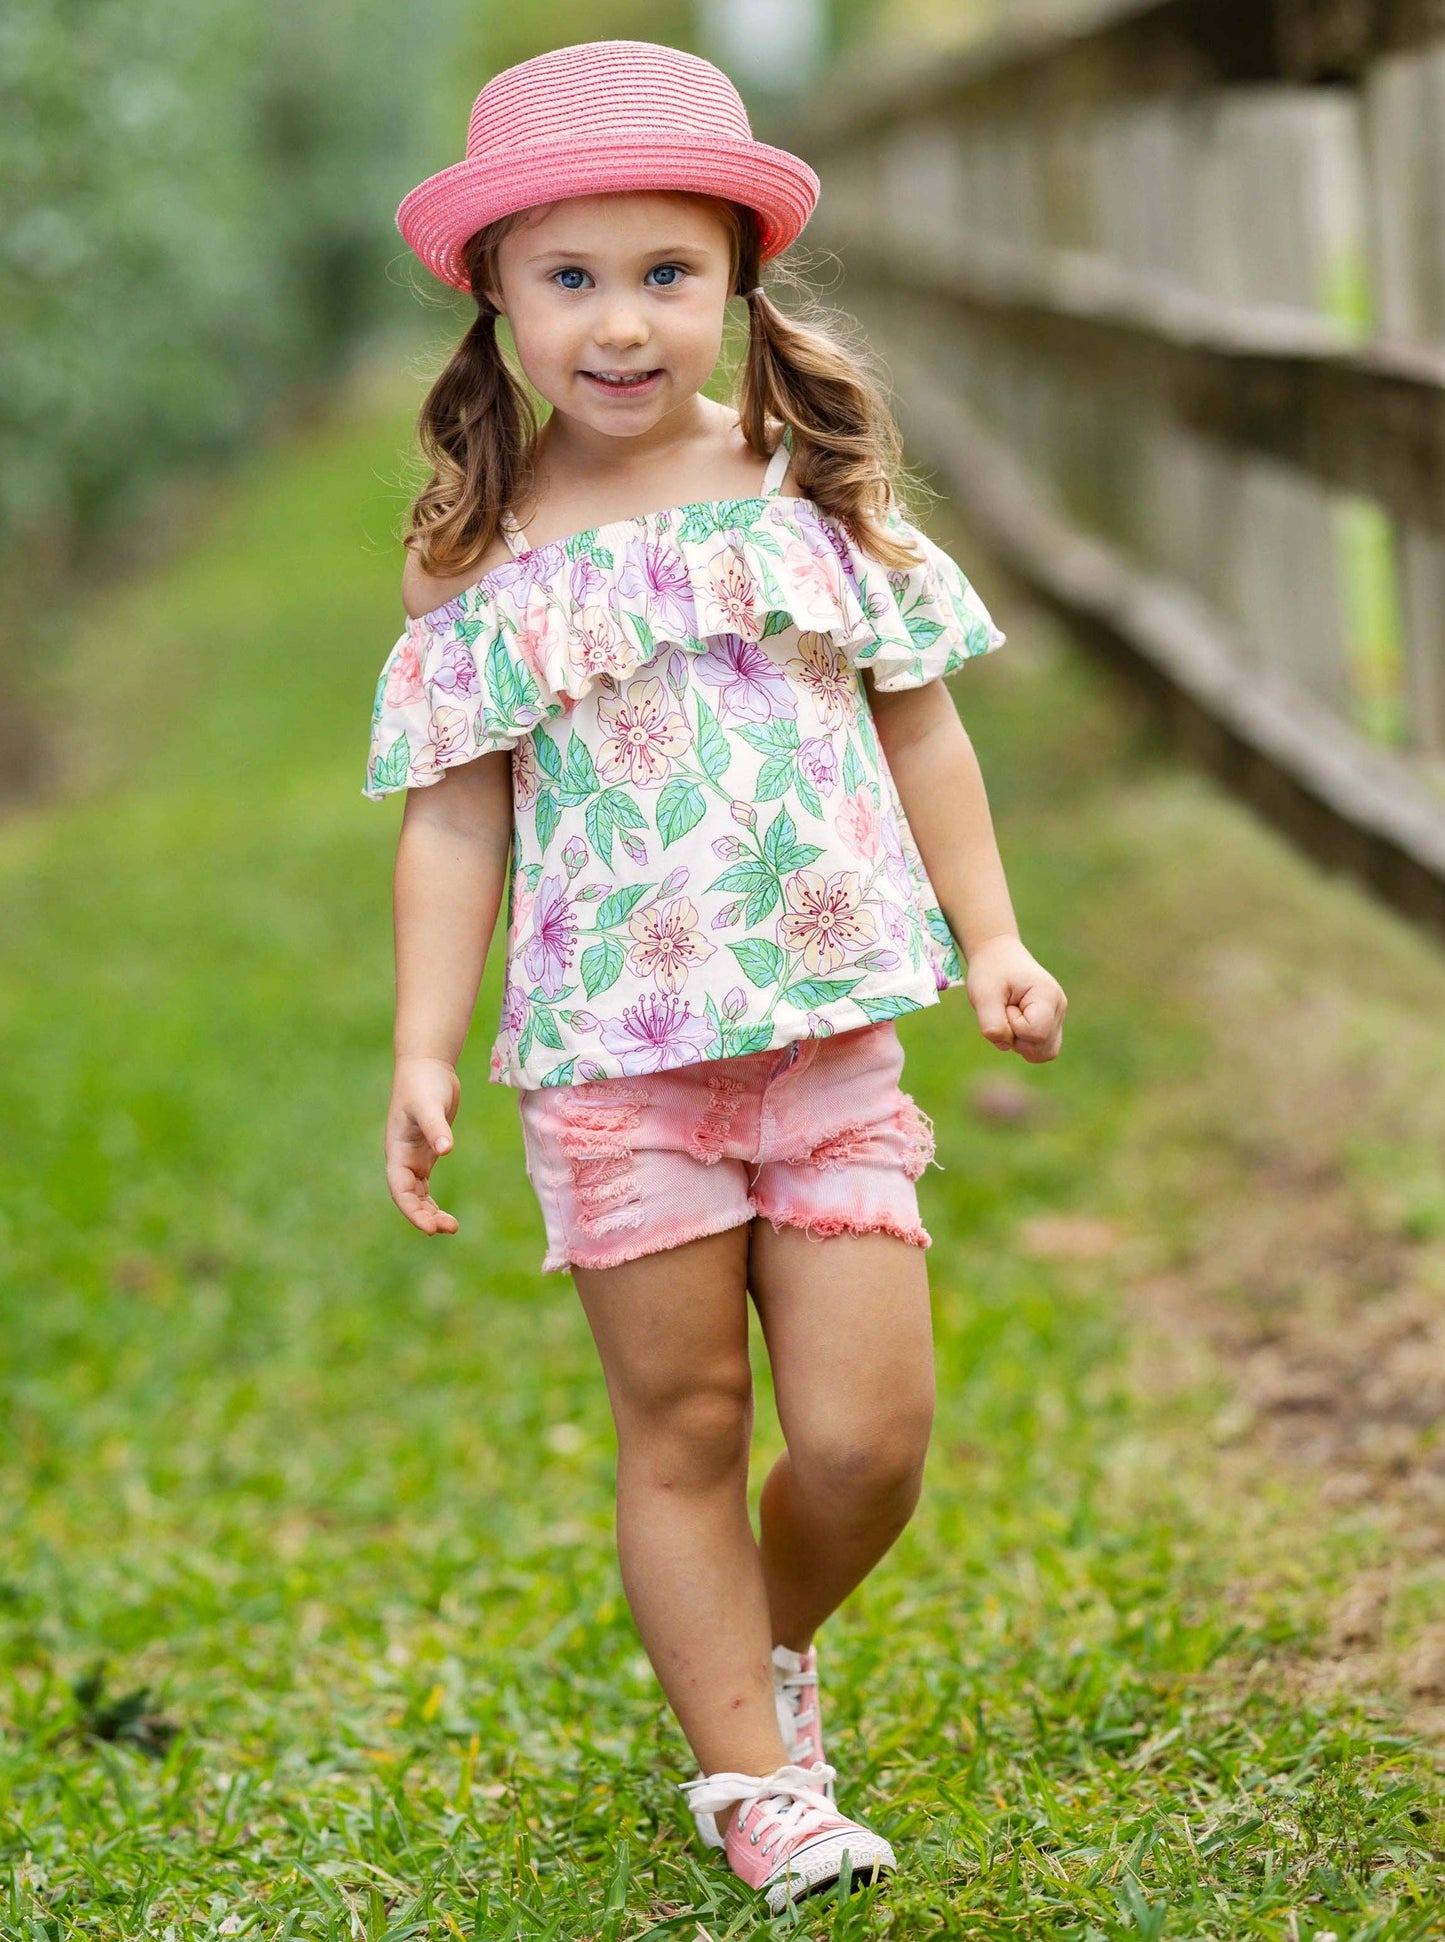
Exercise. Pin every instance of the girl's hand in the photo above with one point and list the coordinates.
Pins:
(1020, 1006)
(425, 1095)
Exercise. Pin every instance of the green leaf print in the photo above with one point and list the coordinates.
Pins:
(854, 774)
(545, 1025)
(510, 686)
(579, 777)
(763, 900)
(775, 778)
(581, 543)
(601, 965)
(707, 518)
(782, 848)
(808, 796)
(712, 745)
(599, 825)
(755, 1040)
(603, 556)
(763, 962)
(771, 738)
(809, 993)
(779, 839)
(876, 1009)
(748, 875)
(680, 807)
(560, 1075)
(618, 906)
(549, 756)
(924, 632)
(390, 770)
(625, 812)
(777, 623)
(547, 815)
(647, 640)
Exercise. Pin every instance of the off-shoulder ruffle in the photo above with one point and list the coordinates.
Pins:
(527, 641)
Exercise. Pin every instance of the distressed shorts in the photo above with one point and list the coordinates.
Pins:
(815, 1134)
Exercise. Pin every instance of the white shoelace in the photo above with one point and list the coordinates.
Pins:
(793, 1684)
(792, 1800)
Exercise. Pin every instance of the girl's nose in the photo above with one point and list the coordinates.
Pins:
(621, 324)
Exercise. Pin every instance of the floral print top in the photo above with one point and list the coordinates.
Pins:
(709, 855)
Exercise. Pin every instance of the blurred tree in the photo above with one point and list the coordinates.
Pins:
(195, 202)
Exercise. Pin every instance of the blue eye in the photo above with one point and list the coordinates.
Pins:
(570, 272)
(676, 267)
(673, 271)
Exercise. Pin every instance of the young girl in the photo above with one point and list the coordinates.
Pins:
(671, 676)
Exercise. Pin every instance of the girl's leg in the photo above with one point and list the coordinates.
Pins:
(672, 1331)
(850, 1339)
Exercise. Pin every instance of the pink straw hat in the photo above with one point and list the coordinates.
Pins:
(604, 115)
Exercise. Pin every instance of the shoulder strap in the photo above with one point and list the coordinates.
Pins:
(778, 463)
(513, 534)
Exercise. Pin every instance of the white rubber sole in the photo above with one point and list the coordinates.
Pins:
(819, 1865)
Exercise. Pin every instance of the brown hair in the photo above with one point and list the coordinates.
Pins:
(478, 424)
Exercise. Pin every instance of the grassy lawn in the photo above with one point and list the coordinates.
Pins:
(310, 1622)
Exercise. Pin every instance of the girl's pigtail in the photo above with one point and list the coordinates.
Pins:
(847, 449)
(478, 429)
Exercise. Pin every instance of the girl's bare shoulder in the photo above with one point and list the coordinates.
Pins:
(422, 592)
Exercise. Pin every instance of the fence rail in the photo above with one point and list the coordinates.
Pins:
(1163, 295)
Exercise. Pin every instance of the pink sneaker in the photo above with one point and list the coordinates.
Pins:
(787, 1839)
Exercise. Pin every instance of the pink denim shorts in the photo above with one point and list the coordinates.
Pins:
(815, 1134)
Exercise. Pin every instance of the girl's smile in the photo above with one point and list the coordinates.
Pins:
(631, 384)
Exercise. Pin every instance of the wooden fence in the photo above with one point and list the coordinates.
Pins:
(1162, 294)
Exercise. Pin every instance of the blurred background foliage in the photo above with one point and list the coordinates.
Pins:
(197, 209)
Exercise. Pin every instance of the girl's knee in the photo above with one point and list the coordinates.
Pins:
(881, 1463)
(691, 1435)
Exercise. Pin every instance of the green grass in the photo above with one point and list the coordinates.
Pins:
(310, 1624)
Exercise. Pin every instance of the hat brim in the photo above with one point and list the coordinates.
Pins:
(440, 214)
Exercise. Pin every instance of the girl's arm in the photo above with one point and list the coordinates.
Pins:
(1020, 1007)
(450, 878)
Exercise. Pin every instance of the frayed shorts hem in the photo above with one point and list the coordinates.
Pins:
(823, 1227)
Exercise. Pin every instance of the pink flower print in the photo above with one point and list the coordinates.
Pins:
(744, 813)
(673, 881)
(735, 605)
(859, 823)
(602, 647)
(403, 684)
(656, 573)
(658, 1032)
(457, 674)
(574, 855)
(822, 670)
(735, 1004)
(633, 844)
(446, 737)
(751, 687)
(725, 918)
(823, 919)
(645, 735)
(818, 760)
(879, 960)
(896, 923)
(554, 934)
(729, 848)
(542, 635)
(817, 584)
(522, 902)
(526, 774)
(583, 1021)
(668, 943)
